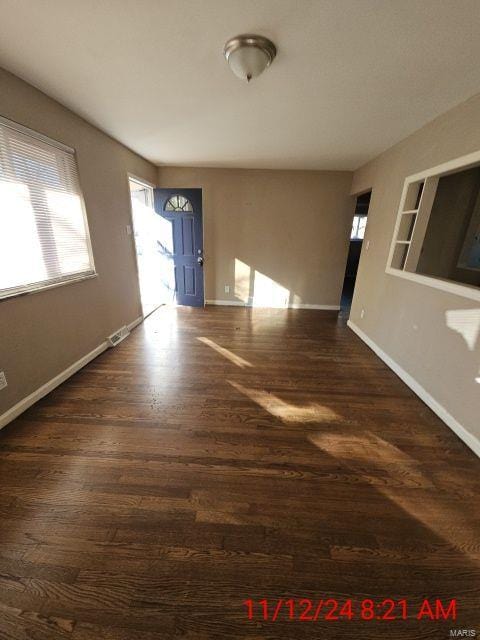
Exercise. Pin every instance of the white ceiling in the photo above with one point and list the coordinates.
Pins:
(351, 78)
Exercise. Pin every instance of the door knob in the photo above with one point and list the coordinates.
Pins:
(200, 260)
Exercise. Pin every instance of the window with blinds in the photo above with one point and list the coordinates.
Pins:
(44, 237)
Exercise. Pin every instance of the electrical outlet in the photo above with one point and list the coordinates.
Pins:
(3, 380)
(128, 229)
(362, 313)
(367, 247)
(227, 288)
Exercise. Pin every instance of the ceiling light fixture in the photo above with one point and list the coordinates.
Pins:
(249, 55)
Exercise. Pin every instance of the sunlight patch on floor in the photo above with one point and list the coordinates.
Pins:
(362, 448)
(229, 355)
(405, 484)
(287, 412)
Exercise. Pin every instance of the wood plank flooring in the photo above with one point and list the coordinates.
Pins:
(228, 454)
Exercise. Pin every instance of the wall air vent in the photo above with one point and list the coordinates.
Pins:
(118, 336)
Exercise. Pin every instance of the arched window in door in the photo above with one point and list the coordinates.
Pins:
(178, 203)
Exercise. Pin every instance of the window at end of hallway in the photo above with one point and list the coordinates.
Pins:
(358, 227)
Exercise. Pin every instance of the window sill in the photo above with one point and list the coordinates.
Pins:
(45, 287)
(448, 286)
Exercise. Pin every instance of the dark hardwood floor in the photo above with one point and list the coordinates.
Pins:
(229, 454)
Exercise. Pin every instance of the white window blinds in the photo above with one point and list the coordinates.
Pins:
(44, 236)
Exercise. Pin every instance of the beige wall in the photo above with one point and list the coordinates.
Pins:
(434, 336)
(292, 227)
(43, 333)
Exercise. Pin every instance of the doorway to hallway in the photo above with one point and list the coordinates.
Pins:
(357, 234)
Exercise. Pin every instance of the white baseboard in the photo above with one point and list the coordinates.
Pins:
(470, 440)
(321, 307)
(42, 391)
(27, 402)
(135, 323)
(227, 303)
(239, 303)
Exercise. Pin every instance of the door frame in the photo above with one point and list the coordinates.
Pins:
(365, 247)
(150, 185)
(159, 186)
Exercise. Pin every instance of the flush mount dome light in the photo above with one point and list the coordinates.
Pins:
(249, 55)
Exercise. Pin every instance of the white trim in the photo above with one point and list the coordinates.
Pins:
(294, 305)
(464, 162)
(135, 323)
(42, 391)
(27, 402)
(470, 440)
(162, 304)
(227, 303)
(50, 285)
(464, 290)
(437, 283)
(142, 181)
(320, 307)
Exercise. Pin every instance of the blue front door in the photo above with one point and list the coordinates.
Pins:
(182, 208)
